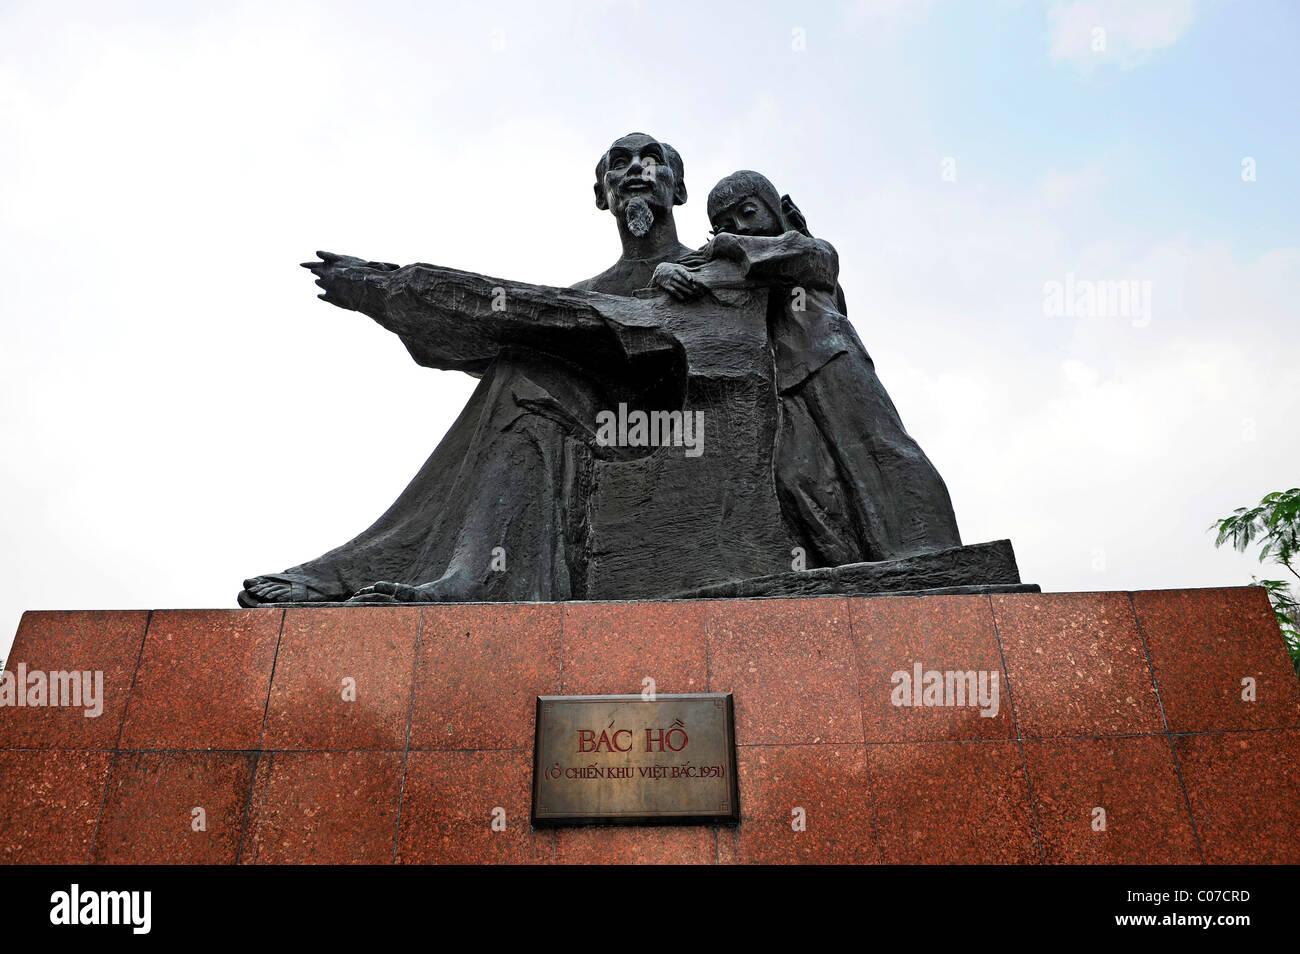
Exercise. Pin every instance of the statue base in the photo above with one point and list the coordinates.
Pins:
(1150, 727)
(975, 568)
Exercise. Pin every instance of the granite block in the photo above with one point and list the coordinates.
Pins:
(1132, 779)
(943, 634)
(659, 845)
(1244, 788)
(1204, 644)
(149, 813)
(612, 648)
(480, 671)
(451, 801)
(824, 788)
(74, 641)
(792, 668)
(203, 680)
(49, 805)
(1076, 664)
(343, 679)
(952, 803)
(324, 808)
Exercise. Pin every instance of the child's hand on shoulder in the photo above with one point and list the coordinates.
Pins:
(677, 280)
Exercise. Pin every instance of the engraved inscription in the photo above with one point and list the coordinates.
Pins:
(628, 759)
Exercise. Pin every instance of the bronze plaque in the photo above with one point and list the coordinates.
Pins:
(625, 760)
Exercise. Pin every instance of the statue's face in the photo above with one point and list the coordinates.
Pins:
(637, 167)
(749, 216)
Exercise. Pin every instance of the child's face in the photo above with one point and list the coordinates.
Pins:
(749, 216)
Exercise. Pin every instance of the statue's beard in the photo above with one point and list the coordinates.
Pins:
(639, 217)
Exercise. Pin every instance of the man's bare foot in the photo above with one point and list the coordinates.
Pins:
(268, 591)
(276, 588)
(444, 590)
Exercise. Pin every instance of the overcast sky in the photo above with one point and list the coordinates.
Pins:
(181, 412)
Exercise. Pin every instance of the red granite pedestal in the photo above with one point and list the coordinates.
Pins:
(1128, 703)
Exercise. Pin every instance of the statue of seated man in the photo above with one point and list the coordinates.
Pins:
(508, 481)
(525, 498)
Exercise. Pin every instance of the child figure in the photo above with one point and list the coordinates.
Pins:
(853, 484)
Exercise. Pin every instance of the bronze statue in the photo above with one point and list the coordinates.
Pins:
(802, 477)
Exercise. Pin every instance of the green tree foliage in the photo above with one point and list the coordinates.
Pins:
(1275, 524)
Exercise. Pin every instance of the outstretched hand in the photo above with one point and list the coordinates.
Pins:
(343, 277)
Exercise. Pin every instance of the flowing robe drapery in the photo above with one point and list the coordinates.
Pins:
(518, 477)
(854, 485)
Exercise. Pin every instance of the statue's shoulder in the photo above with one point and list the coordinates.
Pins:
(606, 281)
(622, 278)
(628, 276)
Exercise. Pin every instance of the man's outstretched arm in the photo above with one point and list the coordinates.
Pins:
(458, 320)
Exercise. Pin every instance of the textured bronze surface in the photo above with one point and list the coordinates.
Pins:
(630, 760)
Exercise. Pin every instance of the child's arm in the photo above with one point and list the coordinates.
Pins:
(789, 259)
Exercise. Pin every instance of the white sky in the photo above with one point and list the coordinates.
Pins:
(180, 412)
